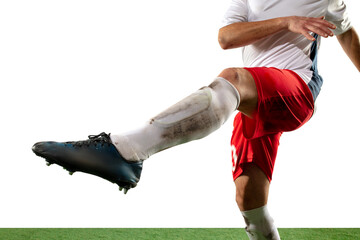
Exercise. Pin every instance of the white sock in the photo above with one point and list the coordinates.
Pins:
(260, 225)
(193, 118)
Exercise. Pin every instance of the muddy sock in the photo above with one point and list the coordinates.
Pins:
(193, 118)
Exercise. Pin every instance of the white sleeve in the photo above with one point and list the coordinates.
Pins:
(338, 15)
(237, 12)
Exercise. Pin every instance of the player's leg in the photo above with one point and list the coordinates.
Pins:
(252, 189)
(253, 164)
(193, 118)
(284, 103)
(253, 161)
(118, 158)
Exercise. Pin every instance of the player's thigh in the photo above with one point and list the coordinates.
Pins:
(252, 188)
(245, 84)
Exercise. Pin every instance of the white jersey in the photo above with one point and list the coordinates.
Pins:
(287, 50)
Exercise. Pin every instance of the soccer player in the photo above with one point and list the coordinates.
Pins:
(275, 93)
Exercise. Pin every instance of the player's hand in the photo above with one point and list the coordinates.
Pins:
(305, 25)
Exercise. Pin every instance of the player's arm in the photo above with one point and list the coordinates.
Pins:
(349, 41)
(244, 33)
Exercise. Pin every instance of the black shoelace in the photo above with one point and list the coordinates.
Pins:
(101, 138)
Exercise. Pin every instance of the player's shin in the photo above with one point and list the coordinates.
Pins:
(193, 118)
(260, 225)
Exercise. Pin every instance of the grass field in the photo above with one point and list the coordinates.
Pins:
(170, 233)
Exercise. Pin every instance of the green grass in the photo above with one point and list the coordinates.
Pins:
(170, 233)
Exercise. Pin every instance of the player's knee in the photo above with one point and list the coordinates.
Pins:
(232, 75)
(243, 81)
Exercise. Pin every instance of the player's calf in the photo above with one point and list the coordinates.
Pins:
(252, 188)
(194, 117)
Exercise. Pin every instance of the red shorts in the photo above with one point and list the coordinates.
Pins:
(285, 103)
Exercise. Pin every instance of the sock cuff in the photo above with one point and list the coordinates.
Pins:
(231, 87)
(256, 214)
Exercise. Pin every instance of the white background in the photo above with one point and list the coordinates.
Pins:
(73, 68)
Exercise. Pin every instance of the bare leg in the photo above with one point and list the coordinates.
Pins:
(252, 190)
